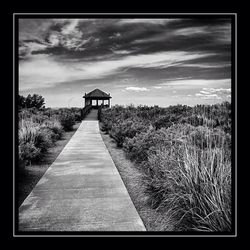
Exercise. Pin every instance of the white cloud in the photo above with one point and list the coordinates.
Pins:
(70, 27)
(116, 35)
(213, 93)
(54, 39)
(121, 52)
(191, 31)
(146, 21)
(159, 60)
(204, 92)
(137, 89)
(212, 90)
(45, 70)
(157, 87)
(207, 66)
(209, 96)
(195, 83)
(42, 71)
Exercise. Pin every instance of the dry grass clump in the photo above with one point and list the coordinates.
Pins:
(193, 186)
(36, 138)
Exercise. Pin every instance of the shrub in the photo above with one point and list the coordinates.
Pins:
(139, 147)
(110, 116)
(27, 153)
(77, 113)
(36, 138)
(27, 131)
(163, 121)
(56, 128)
(126, 129)
(67, 121)
(44, 139)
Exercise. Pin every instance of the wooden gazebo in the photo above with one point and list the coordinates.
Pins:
(97, 98)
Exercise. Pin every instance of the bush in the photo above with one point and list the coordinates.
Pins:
(139, 147)
(111, 116)
(44, 139)
(67, 121)
(35, 138)
(38, 129)
(126, 129)
(27, 153)
(56, 128)
(77, 113)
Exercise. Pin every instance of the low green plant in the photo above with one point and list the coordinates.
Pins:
(67, 121)
(126, 129)
(27, 153)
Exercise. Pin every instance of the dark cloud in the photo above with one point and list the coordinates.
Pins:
(105, 36)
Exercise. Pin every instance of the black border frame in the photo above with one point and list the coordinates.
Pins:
(232, 16)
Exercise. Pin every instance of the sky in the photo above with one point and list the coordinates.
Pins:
(138, 61)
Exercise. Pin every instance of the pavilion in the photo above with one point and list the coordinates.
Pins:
(97, 98)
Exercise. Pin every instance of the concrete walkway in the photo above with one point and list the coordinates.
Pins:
(81, 191)
(92, 115)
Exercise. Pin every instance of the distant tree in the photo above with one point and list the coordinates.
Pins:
(21, 101)
(31, 101)
(35, 101)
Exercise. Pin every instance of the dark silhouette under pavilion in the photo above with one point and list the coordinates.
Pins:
(97, 98)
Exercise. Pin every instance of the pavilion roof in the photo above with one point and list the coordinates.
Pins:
(96, 93)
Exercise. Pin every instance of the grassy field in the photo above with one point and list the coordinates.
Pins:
(181, 163)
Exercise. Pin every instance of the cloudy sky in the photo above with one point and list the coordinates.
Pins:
(141, 61)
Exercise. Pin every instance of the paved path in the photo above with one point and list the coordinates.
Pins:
(92, 115)
(81, 191)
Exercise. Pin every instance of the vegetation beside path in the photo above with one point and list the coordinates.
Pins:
(31, 174)
(132, 179)
(182, 158)
(42, 134)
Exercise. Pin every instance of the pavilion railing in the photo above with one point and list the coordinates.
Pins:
(85, 111)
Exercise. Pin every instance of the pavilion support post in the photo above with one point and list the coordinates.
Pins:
(109, 103)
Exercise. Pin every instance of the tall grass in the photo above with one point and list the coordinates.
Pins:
(36, 136)
(185, 155)
(27, 131)
(192, 184)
